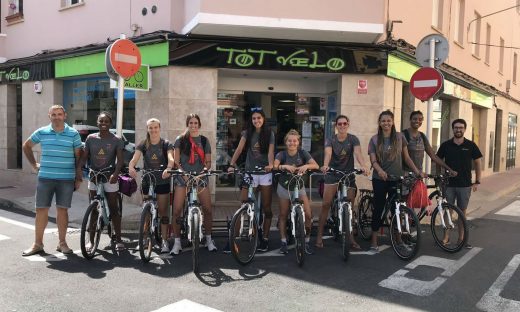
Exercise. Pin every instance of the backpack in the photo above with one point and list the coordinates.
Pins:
(418, 196)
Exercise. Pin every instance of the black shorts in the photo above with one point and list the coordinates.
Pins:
(159, 189)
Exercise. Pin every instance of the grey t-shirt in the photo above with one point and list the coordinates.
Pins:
(102, 152)
(390, 166)
(302, 157)
(254, 157)
(342, 152)
(416, 149)
(198, 165)
(153, 158)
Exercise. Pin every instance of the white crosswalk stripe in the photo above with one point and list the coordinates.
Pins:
(3, 237)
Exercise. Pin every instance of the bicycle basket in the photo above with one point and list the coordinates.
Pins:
(127, 185)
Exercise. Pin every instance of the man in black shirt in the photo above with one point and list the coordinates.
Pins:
(459, 154)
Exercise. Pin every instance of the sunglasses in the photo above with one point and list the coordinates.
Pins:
(341, 123)
(256, 109)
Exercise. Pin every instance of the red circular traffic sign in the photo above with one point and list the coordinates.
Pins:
(426, 82)
(125, 57)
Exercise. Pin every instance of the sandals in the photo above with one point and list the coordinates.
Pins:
(120, 246)
(35, 249)
(64, 249)
(355, 246)
(318, 245)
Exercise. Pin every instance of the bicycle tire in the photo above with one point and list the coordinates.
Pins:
(366, 208)
(86, 234)
(195, 237)
(438, 230)
(409, 243)
(242, 244)
(145, 237)
(299, 235)
(345, 236)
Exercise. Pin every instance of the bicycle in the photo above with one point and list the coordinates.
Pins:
(296, 222)
(405, 233)
(193, 217)
(443, 222)
(244, 227)
(150, 222)
(97, 216)
(341, 210)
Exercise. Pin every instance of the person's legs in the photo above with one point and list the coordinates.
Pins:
(380, 190)
(163, 201)
(328, 194)
(351, 197)
(178, 206)
(463, 196)
(205, 200)
(64, 190)
(266, 199)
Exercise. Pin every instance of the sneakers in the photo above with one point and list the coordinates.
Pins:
(165, 247)
(227, 248)
(373, 250)
(283, 248)
(264, 245)
(308, 248)
(211, 245)
(176, 249)
(468, 246)
(405, 248)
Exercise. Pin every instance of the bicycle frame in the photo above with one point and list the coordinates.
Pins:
(152, 198)
(296, 202)
(194, 207)
(439, 185)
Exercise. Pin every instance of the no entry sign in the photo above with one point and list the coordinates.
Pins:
(125, 57)
(426, 82)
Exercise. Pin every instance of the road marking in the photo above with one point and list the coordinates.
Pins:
(50, 258)
(513, 209)
(3, 237)
(398, 280)
(492, 301)
(186, 305)
(30, 226)
(368, 252)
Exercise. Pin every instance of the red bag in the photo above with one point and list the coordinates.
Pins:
(418, 196)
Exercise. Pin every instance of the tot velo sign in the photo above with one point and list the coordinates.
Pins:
(125, 57)
(426, 82)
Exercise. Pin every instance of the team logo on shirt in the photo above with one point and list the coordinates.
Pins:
(101, 152)
(154, 157)
(343, 152)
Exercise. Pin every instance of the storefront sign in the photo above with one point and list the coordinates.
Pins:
(141, 81)
(32, 72)
(267, 56)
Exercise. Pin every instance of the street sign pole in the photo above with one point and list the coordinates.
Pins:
(429, 115)
(120, 95)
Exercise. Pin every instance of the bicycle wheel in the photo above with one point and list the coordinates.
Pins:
(299, 234)
(243, 235)
(453, 236)
(366, 207)
(195, 238)
(91, 230)
(146, 237)
(345, 235)
(406, 243)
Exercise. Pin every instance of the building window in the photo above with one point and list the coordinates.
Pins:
(14, 11)
(437, 13)
(68, 3)
(476, 36)
(515, 62)
(501, 60)
(488, 42)
(459, 22)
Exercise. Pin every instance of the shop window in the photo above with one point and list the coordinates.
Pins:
(84, 99)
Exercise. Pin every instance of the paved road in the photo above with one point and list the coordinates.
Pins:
(486, 277)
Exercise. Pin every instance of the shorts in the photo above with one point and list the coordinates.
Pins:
(109, 187)
(179, 181)
(159, 189)
(47, 188)
(262, 179)
(283, 193)
(334, 179)
(461, 194)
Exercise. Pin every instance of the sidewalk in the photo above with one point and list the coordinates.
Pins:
(16, 195)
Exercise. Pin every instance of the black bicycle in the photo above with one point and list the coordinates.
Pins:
(341, 210)
(404, 226)
(244, 228)
(448, 223)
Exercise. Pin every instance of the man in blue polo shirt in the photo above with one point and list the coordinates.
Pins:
(58, 174)
(459, 154)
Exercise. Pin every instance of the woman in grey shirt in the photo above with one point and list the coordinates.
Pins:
(258, 141)
(386, 149)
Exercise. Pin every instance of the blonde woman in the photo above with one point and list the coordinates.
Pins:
(157, 154)
(294, 160)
